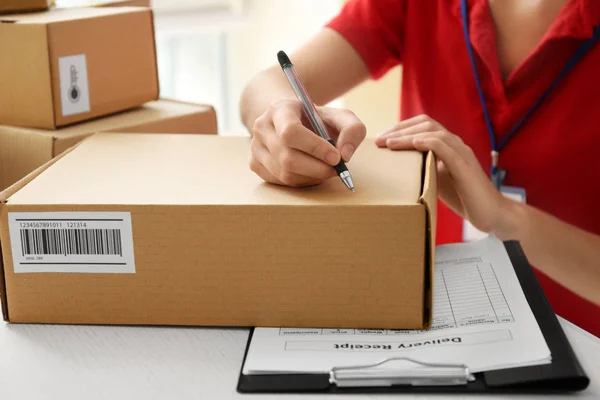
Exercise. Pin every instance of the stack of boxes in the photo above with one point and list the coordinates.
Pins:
(68, 73)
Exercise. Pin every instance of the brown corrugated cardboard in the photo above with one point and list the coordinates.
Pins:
(9, 6)
(70, 65)
(110, 3)
(22, 149)
(4, 195)
(123, 3)
(213, 245)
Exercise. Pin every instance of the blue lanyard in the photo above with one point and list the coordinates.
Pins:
(497, 174)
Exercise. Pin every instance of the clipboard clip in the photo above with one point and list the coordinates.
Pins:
(428, 374)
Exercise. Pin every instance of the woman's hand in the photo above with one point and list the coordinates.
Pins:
(462, 183)
(285, 152)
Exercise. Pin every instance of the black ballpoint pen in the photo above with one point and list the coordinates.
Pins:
(311, 113)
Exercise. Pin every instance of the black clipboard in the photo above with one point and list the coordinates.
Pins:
(563, 374)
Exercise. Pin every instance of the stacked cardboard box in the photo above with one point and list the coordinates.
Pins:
(9, 6)
(107, 3)
(12, 6)
(24, 149)
(71, 65)
(68, 73)
(122, 3)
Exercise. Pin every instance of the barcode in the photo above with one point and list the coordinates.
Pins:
(71, 242)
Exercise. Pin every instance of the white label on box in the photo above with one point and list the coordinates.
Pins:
(74, 90)
(76, 242)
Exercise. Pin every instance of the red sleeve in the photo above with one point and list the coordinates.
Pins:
(375, 28)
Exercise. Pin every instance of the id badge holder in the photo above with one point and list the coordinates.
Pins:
(470, 233)
(515, 193)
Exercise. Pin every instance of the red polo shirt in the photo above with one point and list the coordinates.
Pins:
(553, 156)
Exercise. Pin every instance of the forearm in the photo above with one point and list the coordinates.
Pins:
(565, 253)
(327, 64)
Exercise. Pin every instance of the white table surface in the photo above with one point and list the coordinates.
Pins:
(102, 362)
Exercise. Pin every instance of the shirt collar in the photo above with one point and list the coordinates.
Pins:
(577, 19)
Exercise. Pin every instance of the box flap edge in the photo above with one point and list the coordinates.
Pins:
(156, 93)
(4, 196)
(429, 200)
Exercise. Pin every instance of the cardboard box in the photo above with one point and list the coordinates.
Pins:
(123, 3)
(9, 6)
(70, 65)
(109, 3)
(188, 235)
(22, 150)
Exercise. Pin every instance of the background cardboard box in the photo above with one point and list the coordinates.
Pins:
(209, 243)
(70, 65)
(8, 6)
(22, 150)
(110, 3)
(123, 3)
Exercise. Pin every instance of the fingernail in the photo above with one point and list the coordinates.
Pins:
(331, 158)
(417, 141)
(347, 151)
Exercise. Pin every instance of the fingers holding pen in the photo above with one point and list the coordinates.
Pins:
(285, 152)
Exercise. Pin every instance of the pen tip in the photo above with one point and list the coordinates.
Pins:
(283, 59)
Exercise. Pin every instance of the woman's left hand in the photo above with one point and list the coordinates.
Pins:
(462, 183)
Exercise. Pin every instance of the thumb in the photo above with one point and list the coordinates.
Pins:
(350, 130)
